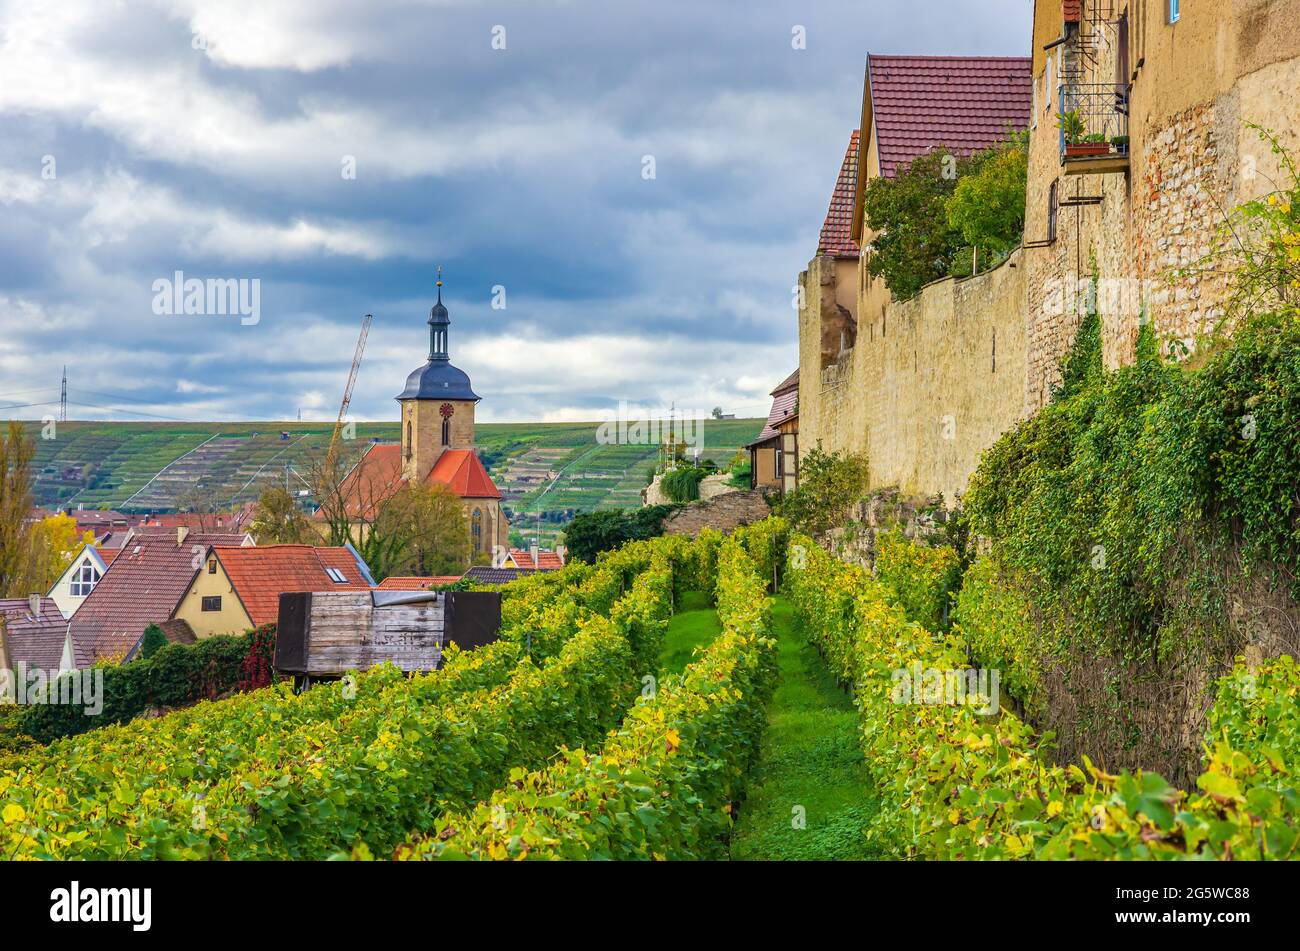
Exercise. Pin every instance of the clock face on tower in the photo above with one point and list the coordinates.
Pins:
(446, 410)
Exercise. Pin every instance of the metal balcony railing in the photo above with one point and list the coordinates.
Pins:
(1094, 121)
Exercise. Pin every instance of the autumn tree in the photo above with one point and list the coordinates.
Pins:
(18, 568)
(281, 521)
(418, 530)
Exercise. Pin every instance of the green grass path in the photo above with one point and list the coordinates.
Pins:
(695, 624)
(810, 758)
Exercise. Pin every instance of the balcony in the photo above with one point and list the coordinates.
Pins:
(1094, 128)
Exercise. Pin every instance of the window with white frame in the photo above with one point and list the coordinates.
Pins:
(84, 579)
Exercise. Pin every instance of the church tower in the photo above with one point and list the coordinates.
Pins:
(437, 404)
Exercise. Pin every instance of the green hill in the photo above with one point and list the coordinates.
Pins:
(547, 471)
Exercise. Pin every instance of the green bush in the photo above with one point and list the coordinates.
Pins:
(174, 675)
(683, 484)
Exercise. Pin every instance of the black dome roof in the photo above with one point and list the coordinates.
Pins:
(438, 380)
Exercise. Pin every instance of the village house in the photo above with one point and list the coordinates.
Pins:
(80, 577)
(238, 588)
(144, 585)
(774, 454)
(535, 559)
(34, 633)
(437, 447)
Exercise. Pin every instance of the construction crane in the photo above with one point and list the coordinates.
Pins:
(347, 392)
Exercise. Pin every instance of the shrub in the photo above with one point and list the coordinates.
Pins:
(664, 785)
(828, 484)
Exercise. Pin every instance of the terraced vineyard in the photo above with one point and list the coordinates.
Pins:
(540, 467)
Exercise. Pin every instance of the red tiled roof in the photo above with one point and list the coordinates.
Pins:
(1071, 8)
(34, 640)
(414, 583)
(784, 399)
(260, 575)
(143, 586)
(546, 560)
(379, 474)
(965, 103)
(836, 239)
(108, 554)
(461, 470)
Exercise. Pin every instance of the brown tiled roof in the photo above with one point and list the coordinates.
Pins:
(34, 640)
(964, 103)
(260, 575)
(784, 400)
(1071, 10)
(178, 631)
(415, 583)
(142, 586)
(836, 239)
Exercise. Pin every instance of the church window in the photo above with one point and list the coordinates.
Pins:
(476, 530)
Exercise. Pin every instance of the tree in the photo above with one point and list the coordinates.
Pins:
(419, 530)
(280, 521)
(153, 641)
(914, 243)
(828, 484)
(717, 412)
(52, 543)
(20, 573)
(988, 205)
(593, 532)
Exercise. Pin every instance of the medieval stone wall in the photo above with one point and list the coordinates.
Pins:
(919, 393)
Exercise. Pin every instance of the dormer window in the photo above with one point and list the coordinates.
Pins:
(84, 579)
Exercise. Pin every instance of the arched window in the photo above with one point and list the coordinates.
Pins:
(408, 439)
(476, 529)
(446, 432)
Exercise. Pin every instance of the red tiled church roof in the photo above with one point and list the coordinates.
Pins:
(379, 474)
(463, 473)
(964, 103)
(836, 239)
(260, 575)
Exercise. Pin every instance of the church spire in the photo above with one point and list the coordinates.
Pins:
(438, 323)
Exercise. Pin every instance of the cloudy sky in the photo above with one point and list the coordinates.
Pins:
(337, 151)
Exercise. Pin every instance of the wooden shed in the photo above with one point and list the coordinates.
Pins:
(327, 633)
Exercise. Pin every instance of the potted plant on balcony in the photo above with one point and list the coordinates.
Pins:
(1121, 144)
(1078, 142)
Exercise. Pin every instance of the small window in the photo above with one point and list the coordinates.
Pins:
(212, 603)
(336, 576)
(212, 566)
(1173, 11)
(779, 464)
(1053, 209)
